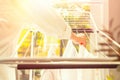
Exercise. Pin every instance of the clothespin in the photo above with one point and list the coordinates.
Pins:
(82, 40)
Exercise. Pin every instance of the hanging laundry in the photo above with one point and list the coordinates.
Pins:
(51, 74)
(83, 53)
(47, 75)
(51, 52)
(70, 52)
(86, 74)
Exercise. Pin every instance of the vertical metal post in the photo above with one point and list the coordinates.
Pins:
(32, 52)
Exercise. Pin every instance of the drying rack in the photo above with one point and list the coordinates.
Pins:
(62, 63)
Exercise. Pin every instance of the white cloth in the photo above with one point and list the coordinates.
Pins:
(8, 41)
(7, 73)
(86, 74)
(15, 13)
(52, 52)
(49, 20)
(12, 19)
(51, 74)
(70, 52)
(83, 53)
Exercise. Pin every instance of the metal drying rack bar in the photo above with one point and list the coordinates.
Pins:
(62, 63)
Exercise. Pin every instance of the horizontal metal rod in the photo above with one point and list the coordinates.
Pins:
(39, 60)
(61, 63)
(65, 66)
(83, 30)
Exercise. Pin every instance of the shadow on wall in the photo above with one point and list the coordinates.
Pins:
(114, 31)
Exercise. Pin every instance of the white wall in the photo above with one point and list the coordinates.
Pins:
(114, 13)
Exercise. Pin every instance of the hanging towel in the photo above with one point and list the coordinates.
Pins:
(47, 75)
(83, 53)
(51, 52)
(51, 74)
(70, 52)
(86, 74)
